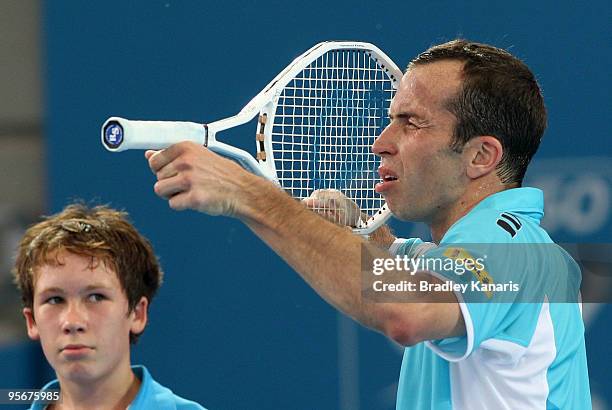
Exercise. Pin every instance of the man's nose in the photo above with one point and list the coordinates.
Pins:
(383, 145)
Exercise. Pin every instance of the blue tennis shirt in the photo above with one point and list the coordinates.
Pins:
(527, 353)
(151, 395)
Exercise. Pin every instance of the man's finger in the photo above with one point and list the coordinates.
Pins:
(166, 172)
(180, 201)
(169, 187)
(160, 159)
(149, 153)
(312, 202)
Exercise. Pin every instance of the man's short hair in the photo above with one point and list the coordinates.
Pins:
(499, 97)
(102, 233)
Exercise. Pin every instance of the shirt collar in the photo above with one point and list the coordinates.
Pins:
(52, 385)
(140, 400)
(145, 384)
(528, 202)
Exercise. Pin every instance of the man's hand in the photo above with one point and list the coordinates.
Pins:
(190, 176)
(340, 209)
(335, 206)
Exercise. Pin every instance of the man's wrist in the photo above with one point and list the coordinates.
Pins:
(259, 199)
(383, 237)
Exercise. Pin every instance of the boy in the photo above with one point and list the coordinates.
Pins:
(86, 278)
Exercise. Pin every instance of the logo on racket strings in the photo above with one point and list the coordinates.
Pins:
(113, 134)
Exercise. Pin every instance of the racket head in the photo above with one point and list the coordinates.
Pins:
(316, 133)
(342, 91)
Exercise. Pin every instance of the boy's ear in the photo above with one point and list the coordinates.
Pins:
(32, 328)
(139, 316)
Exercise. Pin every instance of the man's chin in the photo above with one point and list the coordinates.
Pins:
(405, 215)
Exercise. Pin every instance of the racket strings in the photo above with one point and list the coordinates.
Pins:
(326, 121)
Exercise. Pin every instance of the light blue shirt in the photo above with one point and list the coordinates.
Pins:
(151, 395)
(525, 353)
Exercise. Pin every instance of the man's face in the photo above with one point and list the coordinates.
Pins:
(80, 314)
(421, 175)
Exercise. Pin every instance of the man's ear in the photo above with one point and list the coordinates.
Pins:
(484, 153)
(139, 316)
(28, 313)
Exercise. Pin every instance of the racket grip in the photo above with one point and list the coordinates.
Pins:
(119, 134)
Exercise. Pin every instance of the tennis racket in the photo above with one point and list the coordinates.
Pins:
(317, 120)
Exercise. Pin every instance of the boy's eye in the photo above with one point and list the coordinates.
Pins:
(54, 300)
(96, 297)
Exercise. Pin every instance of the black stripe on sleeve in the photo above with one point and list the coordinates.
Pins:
(513, 219)
(506, 227)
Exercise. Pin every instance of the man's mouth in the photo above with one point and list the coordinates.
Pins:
(387, 177)
(386, 174)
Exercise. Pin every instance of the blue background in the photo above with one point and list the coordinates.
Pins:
(233, 327)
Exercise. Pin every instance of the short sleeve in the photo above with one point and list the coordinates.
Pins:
(488, 289)
(402, 246)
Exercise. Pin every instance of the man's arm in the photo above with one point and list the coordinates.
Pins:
(326, 256)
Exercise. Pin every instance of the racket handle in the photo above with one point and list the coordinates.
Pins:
(119, 134)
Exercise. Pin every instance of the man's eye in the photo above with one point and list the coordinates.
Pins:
(96, 297)
(54, 300)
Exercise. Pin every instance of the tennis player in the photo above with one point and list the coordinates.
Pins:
(465, 123)
(87, 278)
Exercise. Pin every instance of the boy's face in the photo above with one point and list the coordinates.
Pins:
(80, 315)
